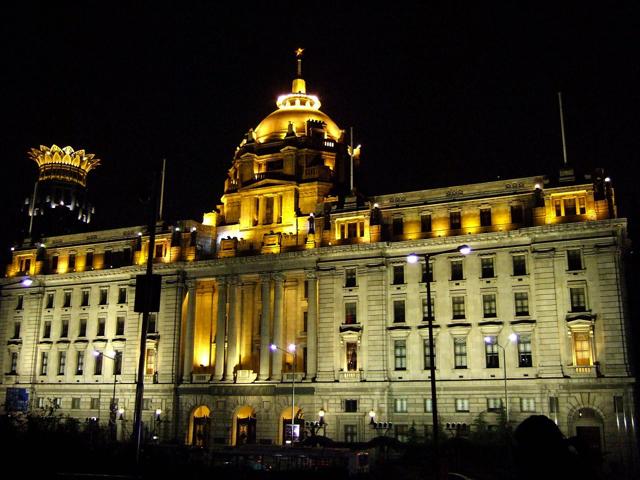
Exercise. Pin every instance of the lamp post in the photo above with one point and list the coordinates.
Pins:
(292, 350)
(386, 426)
(113, 408)
(490, 340)
(318, 424)
(413, 258)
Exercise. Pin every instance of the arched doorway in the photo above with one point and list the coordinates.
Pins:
(245, 426)
(199, 421)
(284, 432)
(588, 427)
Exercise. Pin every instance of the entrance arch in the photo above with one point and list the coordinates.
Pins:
(244, 423)
(285, 424)
(199, 421)
(588, 427)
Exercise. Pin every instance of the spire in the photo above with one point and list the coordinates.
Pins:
(299, 85)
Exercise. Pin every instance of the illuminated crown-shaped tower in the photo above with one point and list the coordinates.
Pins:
(59, 202)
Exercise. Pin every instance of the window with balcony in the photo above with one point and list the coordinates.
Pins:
(400, 354)
(582, 349)
(352, 356)
(489, 308)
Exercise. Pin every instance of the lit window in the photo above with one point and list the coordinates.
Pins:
(150, 366)
(527, 405)
(350, 433)
(352, 356)
(427, 356)
(79, 363)
(425, 310)
(525, 358)
(491, 353)
(350, 313)
(457, 307)
(494, 404)
(62, 362)
(350, 277)
(428, 405)
(578, 299)
(521, 300)
(460, 352)
(487, 267)
(400, 354)
(582, 348)
(400, 405)
(44, 363)
(462, 405)
(489, 305)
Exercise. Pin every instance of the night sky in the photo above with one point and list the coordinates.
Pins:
(436, 96)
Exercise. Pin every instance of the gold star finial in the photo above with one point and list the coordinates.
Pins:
(298, 52)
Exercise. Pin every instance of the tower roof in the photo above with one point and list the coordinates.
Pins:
(63, 164)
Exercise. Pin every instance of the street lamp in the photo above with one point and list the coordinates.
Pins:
(318, 424)
(413, 258)
(386, 426)
(113, 408)
(290, 349)
(494, 341)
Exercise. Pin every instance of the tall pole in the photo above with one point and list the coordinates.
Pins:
(293, 393)
(432, 373)
(564, 142)
(137, 426)
(506, 396)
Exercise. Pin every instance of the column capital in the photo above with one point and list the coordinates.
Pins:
(310, 274)
(265, 277)
(222, 279)
(279, 277)
(233, 280)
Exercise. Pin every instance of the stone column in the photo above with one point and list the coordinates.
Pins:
(278, 293)
(220, 328)
(265, 321)
(312, 322)
(233, 329)
(187, 361)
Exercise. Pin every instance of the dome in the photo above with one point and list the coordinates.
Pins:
(276, 125)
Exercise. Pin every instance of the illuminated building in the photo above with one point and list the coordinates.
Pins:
(292, 256)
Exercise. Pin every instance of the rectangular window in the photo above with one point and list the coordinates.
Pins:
(516, 214)
(152, 326)
(64, 329)
(455, 220)
(427, 356)
(400, 405)
(160, 250)
(554, 405)
(485, 217)
(306, 289)
(425, 310)
(570, 206)
(460, 352)
(525, 358)
(97, 365)
(398, 226)
(350, 313)
(519, 265)
(71, 264)
(350, 433)
(456, 270)
(102, 322)
(79, 363)
(268, 210)
(494, 404)
(398, 274)
(117, 362)
(489, 308)
(82, 330)
(54, 264)
(44, 363)
(425, 222)
(582, 348)
(462, 405)
(95, 404)
(402, 433)
(350, 277)
(557, 205)
(122, 295)
(75, 403)
(84, 298)
(67, 299)
(150, 364)
(305, 321)
(427, 274)
(521, 300)
(108, 259)
(351, 406)
(487, 267)
(574, 260)
(582, 205)
(89, 261)
(491, 352)
(50, 300)
(578, 299)
(400, 354)
(13, 368)
(398, 311)
(527, 405)
(104, 295)
(457, 307)
(352, 356)
(46, 331)
(618, 404)
(428, 405)
(62, 362)
(16, 329)
(120, 326)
